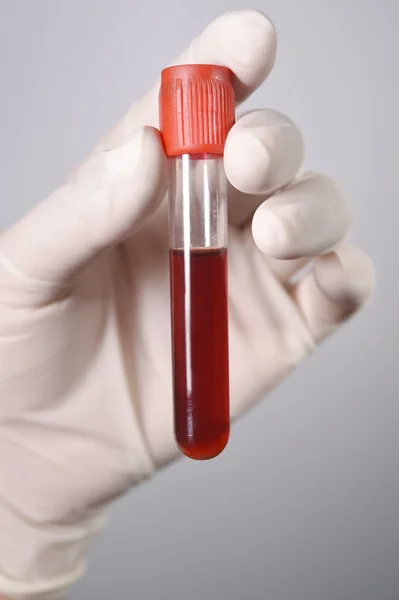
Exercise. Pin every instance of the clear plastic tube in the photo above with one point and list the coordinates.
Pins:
(198, 266)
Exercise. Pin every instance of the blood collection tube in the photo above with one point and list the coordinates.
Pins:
(196, 114)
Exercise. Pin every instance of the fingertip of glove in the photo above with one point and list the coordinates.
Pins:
(246, 161)
(346, 277)
(243, 40)
(263, 153)
(143, 146)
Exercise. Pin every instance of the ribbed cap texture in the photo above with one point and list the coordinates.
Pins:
(196, 109)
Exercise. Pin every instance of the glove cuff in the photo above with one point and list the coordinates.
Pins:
(42, 563)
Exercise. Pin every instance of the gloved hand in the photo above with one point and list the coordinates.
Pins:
(85, 371)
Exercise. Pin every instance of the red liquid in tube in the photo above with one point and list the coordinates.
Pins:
(200, 351)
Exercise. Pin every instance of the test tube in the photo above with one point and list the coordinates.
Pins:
(196, 113)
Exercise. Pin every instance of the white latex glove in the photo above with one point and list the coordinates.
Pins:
(85, 371)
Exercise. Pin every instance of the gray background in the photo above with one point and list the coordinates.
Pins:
(304, 504)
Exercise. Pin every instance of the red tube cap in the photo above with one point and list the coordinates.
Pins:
(196, 108)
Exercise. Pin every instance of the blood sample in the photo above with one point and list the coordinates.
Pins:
(196, 113)
(200, 351)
